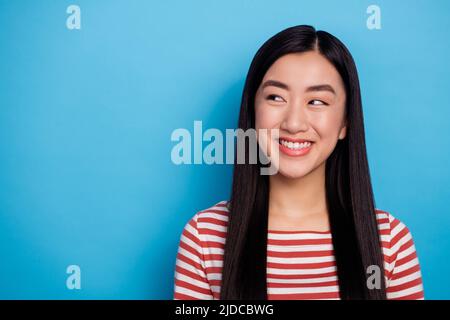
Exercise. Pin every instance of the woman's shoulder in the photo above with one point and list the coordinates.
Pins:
(217, 212)
(401, 259)
(386, 220)
(211, 221)
(393, 230)
(220, 207)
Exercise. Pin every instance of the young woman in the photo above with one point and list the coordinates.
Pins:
(310, 231)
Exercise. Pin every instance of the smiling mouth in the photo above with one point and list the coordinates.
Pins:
(295, 145)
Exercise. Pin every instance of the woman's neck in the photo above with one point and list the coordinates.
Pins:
(296, 204)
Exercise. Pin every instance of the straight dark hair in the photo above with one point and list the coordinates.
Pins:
(349, 194)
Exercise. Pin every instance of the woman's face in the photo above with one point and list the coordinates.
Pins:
(303, 96)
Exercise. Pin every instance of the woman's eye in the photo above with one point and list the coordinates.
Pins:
(275, 97)
(318, 102)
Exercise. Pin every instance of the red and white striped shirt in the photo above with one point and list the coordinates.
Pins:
(300, 264)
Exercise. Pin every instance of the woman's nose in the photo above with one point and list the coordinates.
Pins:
(295, 119)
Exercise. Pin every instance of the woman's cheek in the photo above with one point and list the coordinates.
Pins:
(264, 124)
(268, 116)
(328, 138)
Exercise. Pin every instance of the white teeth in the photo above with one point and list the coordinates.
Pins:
(295, 145)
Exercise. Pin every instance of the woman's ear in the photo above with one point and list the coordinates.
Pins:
(343, 132)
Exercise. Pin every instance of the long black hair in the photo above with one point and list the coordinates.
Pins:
(349, 194)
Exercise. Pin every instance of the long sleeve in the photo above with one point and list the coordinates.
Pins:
(191, 282)
(406, 280)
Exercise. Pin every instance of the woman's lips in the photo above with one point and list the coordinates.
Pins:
(294, 152)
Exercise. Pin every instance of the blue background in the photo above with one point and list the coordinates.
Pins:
(86, 117)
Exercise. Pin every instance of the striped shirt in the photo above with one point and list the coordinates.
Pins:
(300, 264)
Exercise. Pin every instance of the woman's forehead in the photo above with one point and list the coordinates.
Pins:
(302, 70)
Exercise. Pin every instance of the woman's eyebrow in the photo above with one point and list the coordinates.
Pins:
(319, 87)
(275, 83)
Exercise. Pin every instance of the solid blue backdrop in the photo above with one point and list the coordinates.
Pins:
(86, 117)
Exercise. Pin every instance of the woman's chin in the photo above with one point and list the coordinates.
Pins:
(292, 173)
